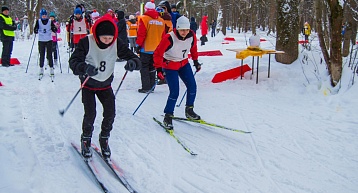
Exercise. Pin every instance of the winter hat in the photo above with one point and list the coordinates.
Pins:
(149, 6)
(183, 23)
(78, 11)
(131, 17)
(109, 10)
(105, 28)
(52, 14)
(4, 8)
(95, 14)
(43, 12)
(120, 14)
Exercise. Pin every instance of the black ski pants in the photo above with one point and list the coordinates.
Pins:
(147, 72)
(106, 97)
(7, 46)
(45, 47)
(54, 50)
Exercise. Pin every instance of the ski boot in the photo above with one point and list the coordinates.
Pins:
(190, 114)
(85, 146)
(41, 72)
(52, 73)
(168, 122)
(106, 151)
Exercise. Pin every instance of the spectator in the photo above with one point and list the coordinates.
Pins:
(193, 24)
(213, 28)
(204, 29)
(7, 33)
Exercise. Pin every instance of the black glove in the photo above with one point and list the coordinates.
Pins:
(160, 74)
(137, 49)
(197, 65)
(91, 70)
(36, 31)
(133, 64)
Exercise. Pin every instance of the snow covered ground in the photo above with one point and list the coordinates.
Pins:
(304, 134)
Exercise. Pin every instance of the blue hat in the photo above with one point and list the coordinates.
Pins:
(78, 11)
(43, 12)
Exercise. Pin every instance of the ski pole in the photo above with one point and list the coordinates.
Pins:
(120, 84)
(178, 105)
(28, 62)
(62, 112)
(58, 53)
(151, 90)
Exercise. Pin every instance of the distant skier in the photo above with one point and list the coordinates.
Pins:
(171, 57)
(44, 27)
(95, 56)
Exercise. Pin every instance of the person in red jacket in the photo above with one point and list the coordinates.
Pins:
(78, 26)
(204, 29)
(171, 57)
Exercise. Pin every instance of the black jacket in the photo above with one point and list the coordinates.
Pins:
(78, 65)
(122, 27)
(4, 26)
(193, 24)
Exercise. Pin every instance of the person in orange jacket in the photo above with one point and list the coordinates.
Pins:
(151, 29)
(132, 31)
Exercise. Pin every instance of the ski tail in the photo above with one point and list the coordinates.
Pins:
(88, 164)
(117, 172)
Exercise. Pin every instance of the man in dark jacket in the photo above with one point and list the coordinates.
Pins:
(193, 24)
(7, 33)
(122, 27)
(94, 60)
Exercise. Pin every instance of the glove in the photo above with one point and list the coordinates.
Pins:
(133, 64)
(160, 74)
(91, 70)
(36, 31)
(197, 65)
(137, 49)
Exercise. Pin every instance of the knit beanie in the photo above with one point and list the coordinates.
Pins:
(105, 28)
(78, 11)
(149, 5)
(183, 23)
(4, 8)
(43, 12)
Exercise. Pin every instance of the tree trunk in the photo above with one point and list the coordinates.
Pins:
(287, 31)
(335, 18)
(322, 43)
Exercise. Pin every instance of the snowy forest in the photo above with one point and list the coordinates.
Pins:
(326, 17)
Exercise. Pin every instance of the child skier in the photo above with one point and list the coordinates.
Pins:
(43, 27)
(171, 57)
(54, 37)
(95, 56)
